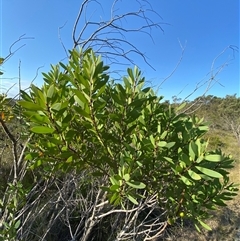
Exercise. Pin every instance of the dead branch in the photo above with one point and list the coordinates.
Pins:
(109, 37)
(211, 81)
(11, 51)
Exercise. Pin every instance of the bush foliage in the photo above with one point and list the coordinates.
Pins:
(110, 151)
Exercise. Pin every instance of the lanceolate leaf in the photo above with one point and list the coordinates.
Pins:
(40, 119)
(17, 224)
(30, 105)
(126, 177)
(137, 185)
(114, 187)
(204, 225)
(209, 172)
(186, 181)
(42, 130)
(193, 150)
(132, 199)
(181, 106)
(50, 91)
(213, 158)
(170, 144)
(194, 175)
(162, 143)
(56, 106)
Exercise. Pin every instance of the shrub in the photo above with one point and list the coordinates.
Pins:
(112, 158)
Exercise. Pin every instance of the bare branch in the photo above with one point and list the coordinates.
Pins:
(210, 81)
(11, 51)
(60, 39)
(106, 31)
(177, 65)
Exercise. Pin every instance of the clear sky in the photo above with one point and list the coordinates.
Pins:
(205, 28)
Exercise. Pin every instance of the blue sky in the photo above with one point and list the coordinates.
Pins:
(204, 27)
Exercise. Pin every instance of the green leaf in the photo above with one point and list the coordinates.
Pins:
(1, 73)
(162, 143)
(85, 113)
(36, 164)
(81, 98)
(138, 103)
(132, 199)
(219, 202)
(81, 104)
(137, 185)
(170, 144)
(203, 128)
(67, 119)
(168, 159)
(194, 175)
(63, 66)
(114, 181)
(114, 187)
(127, 83)
(99, 85)
(42, 130)
(6, 226)
(193, 150)
(152, 140)
(56, 106)
(114, 198)
(50, 92)
(70, 159)
(159, 128)
(181, 106)
(133, 115)
(146, 90)
(205, 177)
(126, 177)
(17, 224)
(139, 164)
(225, 198)
(209, 172)
(186, 181)
(130, 73)
(196, 226)
(185, 158)
(204, 225)
(25, 95)
(30, 105)
(39, 118)
(213, 158)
